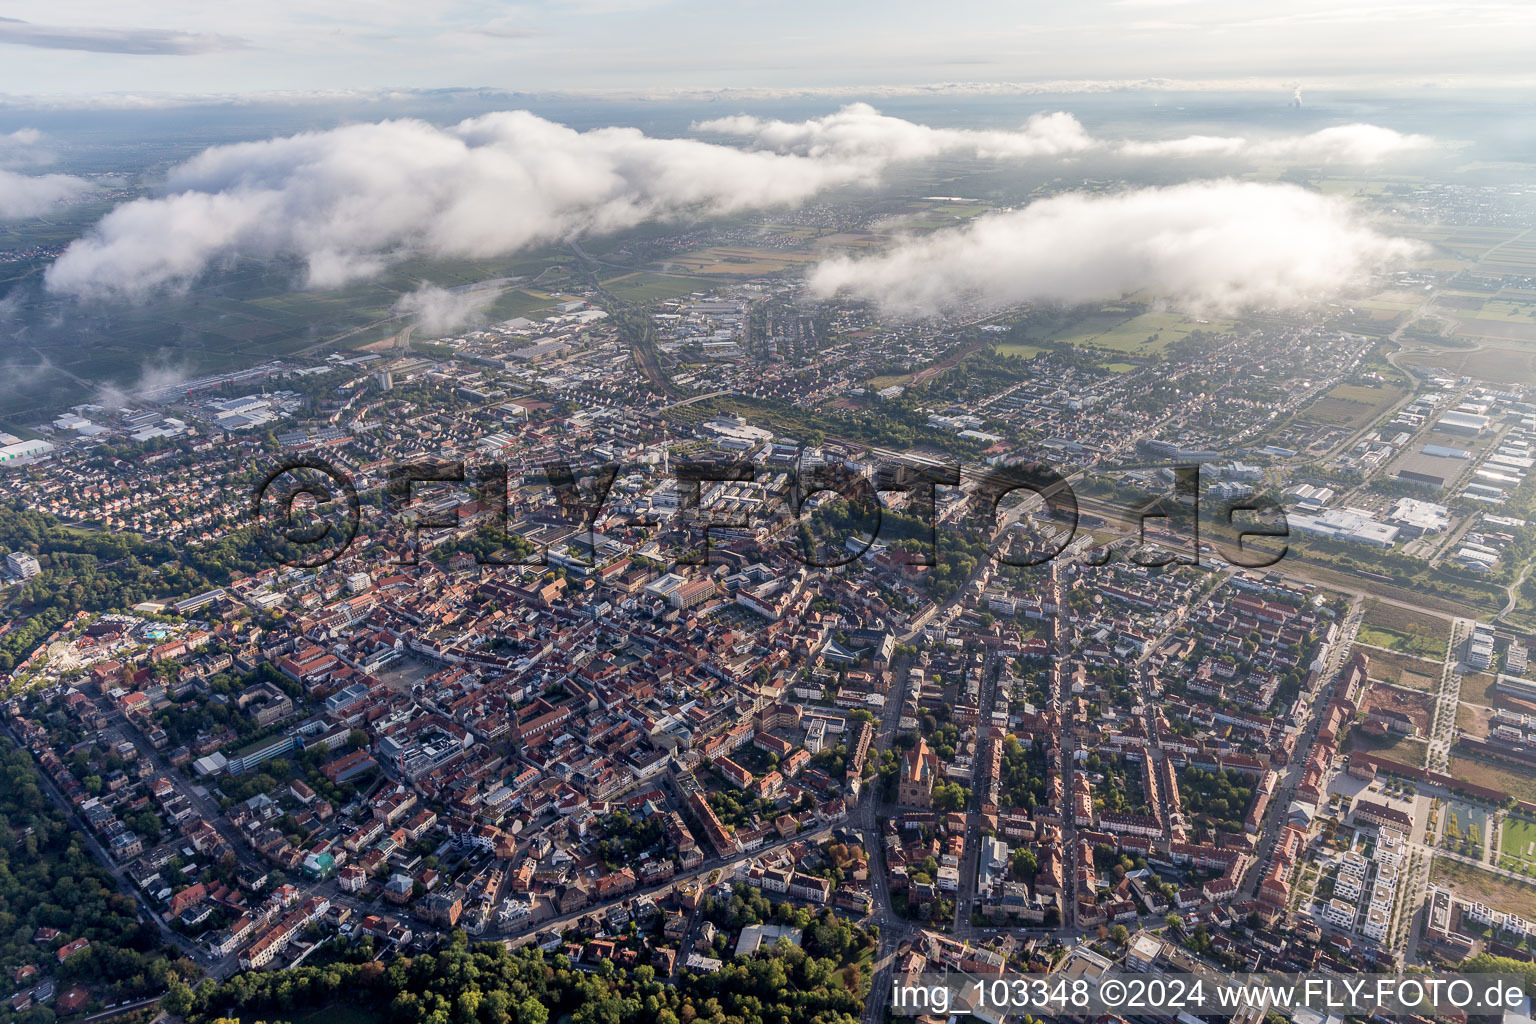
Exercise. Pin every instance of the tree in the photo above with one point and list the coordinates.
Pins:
(1025, 864)
(178, 998)
(531, 1011)
(1119, 935)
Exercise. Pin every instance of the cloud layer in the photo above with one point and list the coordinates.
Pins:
(346, 203)
(1341, 144)
(24, 148)
(860, 130)
(23, 195)
(442, 309)
(1216, 246)
(142, 41)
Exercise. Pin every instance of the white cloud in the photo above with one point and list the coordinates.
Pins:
(97, 39)
(441, 309)
(152, 100)
(23, 195)
(1341, 144)
(859, 130)
(862, 132)
(346, 202)
(24, 148)
(1213, 246)
(153, 377)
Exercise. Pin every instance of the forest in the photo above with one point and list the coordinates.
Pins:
(492, 985)
(48, 879)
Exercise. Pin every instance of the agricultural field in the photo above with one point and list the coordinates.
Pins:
(1499, 362)
(804, 232)
(850, 240)
(1474, 883)
(1021, 350)
(1513, 335)
(1351, 406)
(1123, 329)
(935, 214)
(1393, 300)
(737, 260)
(1507, 310)
(519, 302)
(648, 287)
(1377, 321)
(1467, 241)
(1516, 255)
(249, 313)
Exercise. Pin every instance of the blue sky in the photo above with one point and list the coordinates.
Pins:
(220, 47)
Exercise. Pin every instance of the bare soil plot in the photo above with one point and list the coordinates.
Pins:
(1477, 884)
(1405, 670)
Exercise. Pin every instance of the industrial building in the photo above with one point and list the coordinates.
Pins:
(1415, 517)
(1411, 476)
(1466, 423)
(1349, 524)
(1310, 496)
(15, 451)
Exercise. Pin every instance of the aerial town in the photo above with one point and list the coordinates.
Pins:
(743, 655)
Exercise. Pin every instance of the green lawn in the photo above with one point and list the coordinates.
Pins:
(1121, 329)
(643, 287)
(1517, 846)
(1016, 349)
(1394, 640)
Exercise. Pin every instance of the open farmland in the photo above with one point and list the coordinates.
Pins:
(736, 260)
(1352, 406)
(648, 287)
(1123, 329)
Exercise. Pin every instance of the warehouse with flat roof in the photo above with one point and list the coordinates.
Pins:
(1457, 422)
(1348, 524)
